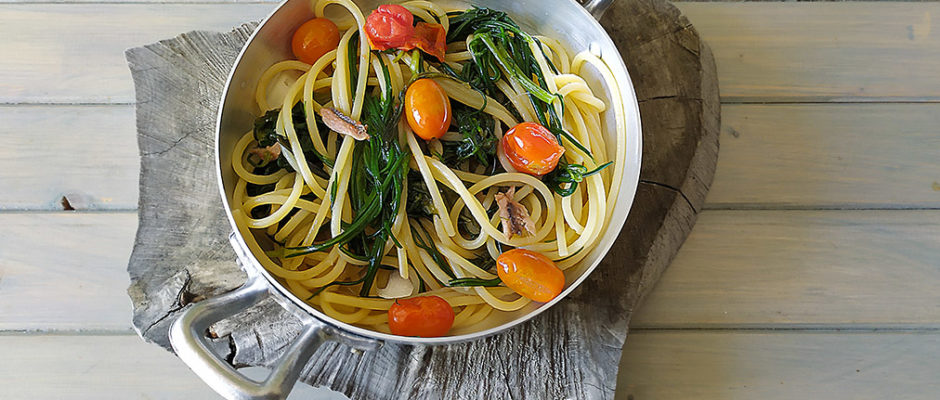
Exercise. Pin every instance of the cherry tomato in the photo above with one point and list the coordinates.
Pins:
(423, 316)
(531, 274)
(389, 26)
(532, 148)
(313, 39)
(427, 108)
(431, 39)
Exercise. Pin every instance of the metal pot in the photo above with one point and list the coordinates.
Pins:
(565, 20)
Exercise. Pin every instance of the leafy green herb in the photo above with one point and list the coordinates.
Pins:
(420, 203)
(564, 179)
(431, 248)
(478, 143)
(376, 184)
(470, 282)
(500, 47)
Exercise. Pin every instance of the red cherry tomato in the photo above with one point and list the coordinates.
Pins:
(532, 148)
(427, 108)
(313, 39)
(389, 26)
(423, 316)
(430, 38)
(531, 274)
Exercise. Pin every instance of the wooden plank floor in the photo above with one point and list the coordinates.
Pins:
(812, 273)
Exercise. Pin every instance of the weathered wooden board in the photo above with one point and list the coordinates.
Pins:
(82, 156)
(780, 365)
(64, 271)
(802, 269)
(839, 52)
(37, 67)
(93, 367)
(662, 365)
(576, 344)
(828, 156)
(833, 155)
(793, 279)
(788, 51)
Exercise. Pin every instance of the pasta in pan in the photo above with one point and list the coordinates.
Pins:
(415, 171)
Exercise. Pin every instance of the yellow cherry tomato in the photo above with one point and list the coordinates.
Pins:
(313, 39)
(531, 274)
(427, 109)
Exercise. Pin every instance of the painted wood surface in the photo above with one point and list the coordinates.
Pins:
(828, 156)
(65, 271)
(765, 51)
(834, 41)
(780, 366)
(83, 155)
(658, 365)
(115, 366)
(825, 51)
(811, 269)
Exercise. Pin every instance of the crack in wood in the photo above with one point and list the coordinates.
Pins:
(663, 185)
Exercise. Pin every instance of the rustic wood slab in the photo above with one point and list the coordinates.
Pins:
(572, 351)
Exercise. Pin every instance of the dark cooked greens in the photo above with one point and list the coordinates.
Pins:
(500, 47)
(377, 176)
(478, 142)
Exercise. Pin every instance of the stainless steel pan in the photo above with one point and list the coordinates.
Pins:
(565, 20)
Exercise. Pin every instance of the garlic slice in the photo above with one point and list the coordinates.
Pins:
(397, 287)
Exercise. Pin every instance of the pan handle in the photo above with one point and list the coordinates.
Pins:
(188, 337)
(596, 7)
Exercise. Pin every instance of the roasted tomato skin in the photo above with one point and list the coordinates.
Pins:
(422, 316)
(313, 39)
(390, 26)
(532, 148)
(427, 109)
(431, 39)
(531, 274)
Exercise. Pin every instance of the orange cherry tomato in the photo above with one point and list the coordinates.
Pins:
(427, 108)
(530, 274)
(532, 148)
(313, 39)
(389, 26)
(423, 316)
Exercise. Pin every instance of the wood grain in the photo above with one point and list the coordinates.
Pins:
(802, 269)
(767, 51)
(780, 366)
(823, 51)
(84, 154)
